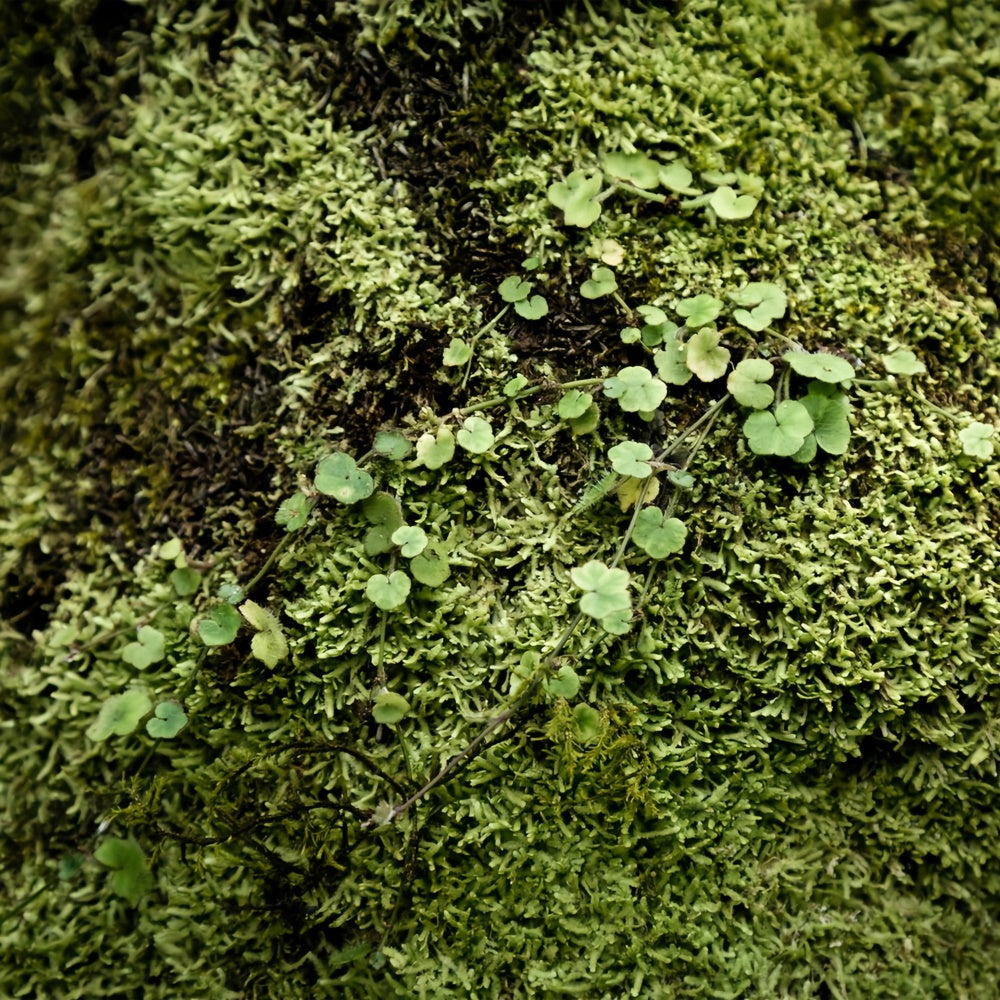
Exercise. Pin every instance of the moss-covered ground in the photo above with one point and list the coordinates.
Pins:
(239, 238)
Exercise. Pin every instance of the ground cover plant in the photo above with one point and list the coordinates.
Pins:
(499, 502)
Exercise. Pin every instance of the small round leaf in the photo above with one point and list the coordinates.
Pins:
(825, 367)
(147, 650)
(410, 539)
(389, 708)
(388, 592)
(169, 718)
(476, 435)
(221, 625)
(338, 476)
(657, 535)
(120, 715)
(631, 458)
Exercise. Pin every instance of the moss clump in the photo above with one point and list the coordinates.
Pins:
(785, 785)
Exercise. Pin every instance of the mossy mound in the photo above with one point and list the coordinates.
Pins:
(242, 241)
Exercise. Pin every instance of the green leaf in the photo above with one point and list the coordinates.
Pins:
(681, 478)
(630, 335)
(383, 513)
(392, 445)
(573, 403)
(586, 422)
(389, 708)
(825, 367)
(69, 865)
(782, 432)
(221, 625)
(601, 282)
(293, 511)
(636, 389)
(671, 363)
(747, 383)
(828, 409)
(458, 352)
(120, 715)
(658, 535)
(410, 539)
(606, 588)
(231, 593)
(338, 476)
(653, 336)
(636, 168)
(169, 719)
(514, 288)
(514, 386)
(433, 451)
(699, 310)
(531, 263)
(807, 452)
(185, 580)
(903, 363)
(729, 205)
(652, 315)
(618, 622)
(431, 567)
(631, 458)
(977, 439)
(388, 592)
(677, 178)
(564, 683)
(534, 308)
(269, 647)
(147, 650)
(171, 549)
(586, 723)
(132, 878)
(763, 302)
(705, 357)
(258, 617)
(576, 197)
(476, 435)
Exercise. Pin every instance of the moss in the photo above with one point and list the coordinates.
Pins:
(791, 788)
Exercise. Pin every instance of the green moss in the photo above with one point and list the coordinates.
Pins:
(791, 788)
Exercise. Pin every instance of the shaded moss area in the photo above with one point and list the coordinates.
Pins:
(242, 238)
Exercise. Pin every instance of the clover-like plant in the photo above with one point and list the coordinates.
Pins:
(564, 683)
(586, 723)
(476, 435)
(573, 404)
(977, 439)
(761, 302)
(432, 566)
(169, 718)
(631, 458)
(606, 596)
(221, 625)
(636, 389)
(339, 476)
(820, 365)
(903, 362)
(392, 445)
(828, 408)
(700, 310)
(635, 168)
(383, 513)
(436, 450)
(729, 205)
(411, 540)
(149, 648)
(389, 708)
(704, 356)
(781, 432)
(293, 512)
(747, 383)
(388, 592)
(268, 644)
(601, 282)
(577, 197)
(120, 715)
(132, 878)
(658, 535)
(671, 363)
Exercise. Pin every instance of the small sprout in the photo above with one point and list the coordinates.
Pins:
(132, 878)
(268, 644)
(700, 310)
(636, 389)
(147, 650)
(576, 197)
(729, 205)
(782, 432)
(671, 363)
(476, 435)
(573, 404)
(977, 439)
(431, 567)
(658, 535)
(169, 718)
(410, 539)
(388, 592)
(903, 363)
(586, 422)
(762, 303)
(433, 451)
(632, 490)
(293, 511)
(458, 352)
(392, 445)
(606, 589)
(636, 168)
(828, 409)
(171, 550)
(221, 625)
(825, 367)
(631, 458)
(586, 723)
(564, 683)
(600, 283)
(231, 593)
(389, 708)
(514, 288)
(532, 308)
(338, 476)
(747, 383)
(120, 715)
(677, 178)
(514, 386)
(705, 357)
